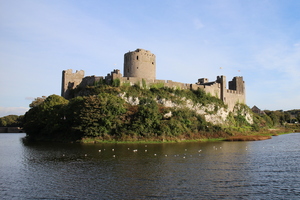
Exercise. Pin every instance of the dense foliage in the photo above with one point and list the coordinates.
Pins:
(11, 121)
(280, 117)
(98, 112)
(102, 114)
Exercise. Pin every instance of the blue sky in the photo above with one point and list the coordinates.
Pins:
(256, 39)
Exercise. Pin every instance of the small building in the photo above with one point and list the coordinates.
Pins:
(256, 110)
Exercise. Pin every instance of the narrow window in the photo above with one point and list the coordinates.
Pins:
(137, 57)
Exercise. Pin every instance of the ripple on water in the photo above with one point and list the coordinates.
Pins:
(266, 169)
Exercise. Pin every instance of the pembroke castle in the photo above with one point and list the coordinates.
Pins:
(140, 67)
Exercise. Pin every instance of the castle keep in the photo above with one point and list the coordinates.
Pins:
(140, 68)
(140, 63)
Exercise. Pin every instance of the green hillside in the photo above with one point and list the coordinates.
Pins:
(132, 113)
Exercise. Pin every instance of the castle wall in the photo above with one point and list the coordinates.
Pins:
(136, 80)
(149, 82)
(70, 80)
(140, 63)
(90, 80)
(217, 88)
(236, 92)
(140, 68)
(233, 97)
(213, 90)
(112, 76)
(175, 85)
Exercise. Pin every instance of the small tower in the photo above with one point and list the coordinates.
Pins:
(70, 80)
(222, 81)
(140, 63)
(237, 84)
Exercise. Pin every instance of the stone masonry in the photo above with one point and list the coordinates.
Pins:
(140, 68)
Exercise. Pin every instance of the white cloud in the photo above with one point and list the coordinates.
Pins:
(4, 111)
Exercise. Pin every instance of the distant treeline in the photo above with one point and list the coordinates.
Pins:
(11, 121)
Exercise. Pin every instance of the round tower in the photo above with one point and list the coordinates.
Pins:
(140, 63)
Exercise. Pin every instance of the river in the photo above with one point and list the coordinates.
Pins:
(268, 169)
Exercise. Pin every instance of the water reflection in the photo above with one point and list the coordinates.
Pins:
(214, 170)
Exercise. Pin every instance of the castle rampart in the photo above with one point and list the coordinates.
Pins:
(140, 68)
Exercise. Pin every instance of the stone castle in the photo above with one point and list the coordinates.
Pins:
(140, 68)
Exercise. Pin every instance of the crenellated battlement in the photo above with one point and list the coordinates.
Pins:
(140, 68)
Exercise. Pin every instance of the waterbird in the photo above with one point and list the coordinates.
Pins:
(113, 149)
(134, 150)
(145, 150)
(99, 150)
(155, 154)
(85, 154)
(114, 156)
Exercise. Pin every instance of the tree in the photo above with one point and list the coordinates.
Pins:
(98, 115)
(37, 101)
(146, 121)
(10, 121)
(45, 119)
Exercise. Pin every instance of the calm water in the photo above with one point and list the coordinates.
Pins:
(268, 169)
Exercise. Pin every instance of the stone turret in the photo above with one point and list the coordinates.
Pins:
(237, 84)
(70, 80)
(140, 63)
(222, 81)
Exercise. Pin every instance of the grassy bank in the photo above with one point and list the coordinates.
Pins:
(206, 137)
